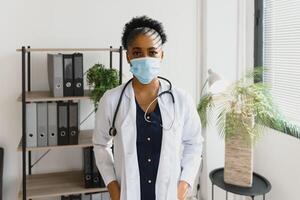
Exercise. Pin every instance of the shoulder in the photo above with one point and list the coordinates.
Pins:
(109, 99)
(114, 91)
(112, 94)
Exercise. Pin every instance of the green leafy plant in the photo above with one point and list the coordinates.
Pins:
(99, 80)
(242, 101)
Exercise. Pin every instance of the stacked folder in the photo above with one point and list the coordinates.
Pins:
(92, 176)
(65, 74)
(96, 196)
(88, 196)
(105, 196)
(72, 197)
(51, 124)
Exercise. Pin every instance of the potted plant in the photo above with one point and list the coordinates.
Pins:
(243, 109)
(99, 80)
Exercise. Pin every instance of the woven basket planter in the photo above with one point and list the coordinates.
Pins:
(238, 168)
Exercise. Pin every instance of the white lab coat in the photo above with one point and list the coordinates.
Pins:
(181, 147)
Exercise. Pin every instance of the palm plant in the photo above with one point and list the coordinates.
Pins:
(242, 100)
(242, 111)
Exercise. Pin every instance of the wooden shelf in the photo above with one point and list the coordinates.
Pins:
(84, 140)
(57, 184)
(40, 96)
(68, 49)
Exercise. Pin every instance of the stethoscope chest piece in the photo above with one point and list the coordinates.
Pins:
(112, 131)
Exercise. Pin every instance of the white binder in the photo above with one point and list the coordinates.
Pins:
(52, 124)
(55, 74)
(31, 125)
(42, 129)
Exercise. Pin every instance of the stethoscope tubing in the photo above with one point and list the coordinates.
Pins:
(112, 130)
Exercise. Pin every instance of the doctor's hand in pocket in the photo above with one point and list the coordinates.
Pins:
(182, 189)
(114, 190)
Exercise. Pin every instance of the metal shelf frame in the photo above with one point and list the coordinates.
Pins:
(26, 67)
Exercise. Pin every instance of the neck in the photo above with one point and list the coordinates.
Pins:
(152, 87)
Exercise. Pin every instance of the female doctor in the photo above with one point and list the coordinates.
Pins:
(154, 127)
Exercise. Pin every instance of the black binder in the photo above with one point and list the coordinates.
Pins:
(97, 179)
(102, 183)
(87, 163)
(68, 74)
(66, 197)
(1, 170)
(78, 74)
(76, 197)
(71, 197)
(73, 123)
(62, 122)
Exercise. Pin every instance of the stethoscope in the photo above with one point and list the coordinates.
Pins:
(113, 130)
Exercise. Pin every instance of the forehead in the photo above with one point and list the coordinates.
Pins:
(146, 41)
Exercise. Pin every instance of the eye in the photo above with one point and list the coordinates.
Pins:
(136, 54)
(153, 53)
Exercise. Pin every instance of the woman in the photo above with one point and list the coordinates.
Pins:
(157, 142)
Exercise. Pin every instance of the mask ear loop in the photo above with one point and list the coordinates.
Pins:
(145, 115)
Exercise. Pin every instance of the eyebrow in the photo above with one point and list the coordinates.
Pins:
(153, 48)
(139, 48)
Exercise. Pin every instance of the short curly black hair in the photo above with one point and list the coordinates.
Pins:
(142, 22)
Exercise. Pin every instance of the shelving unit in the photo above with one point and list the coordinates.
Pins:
(58, 183)
(40, 96)
(84, 140)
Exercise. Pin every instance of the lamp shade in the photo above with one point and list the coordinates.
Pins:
(216, 83)
(213, 77)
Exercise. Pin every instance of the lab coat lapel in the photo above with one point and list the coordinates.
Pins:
(164, 169)
(129, 123)
(128, 131)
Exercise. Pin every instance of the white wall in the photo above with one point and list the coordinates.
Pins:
(276, 156)
(52, 24)
(78, 23)
(228, 38)
(220, 54)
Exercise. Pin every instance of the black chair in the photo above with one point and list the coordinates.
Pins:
(1, 170)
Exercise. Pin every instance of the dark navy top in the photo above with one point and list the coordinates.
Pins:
(149, 137)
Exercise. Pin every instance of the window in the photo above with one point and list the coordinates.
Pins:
(277, 47)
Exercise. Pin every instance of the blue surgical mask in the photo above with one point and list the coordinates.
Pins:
(145, 69)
